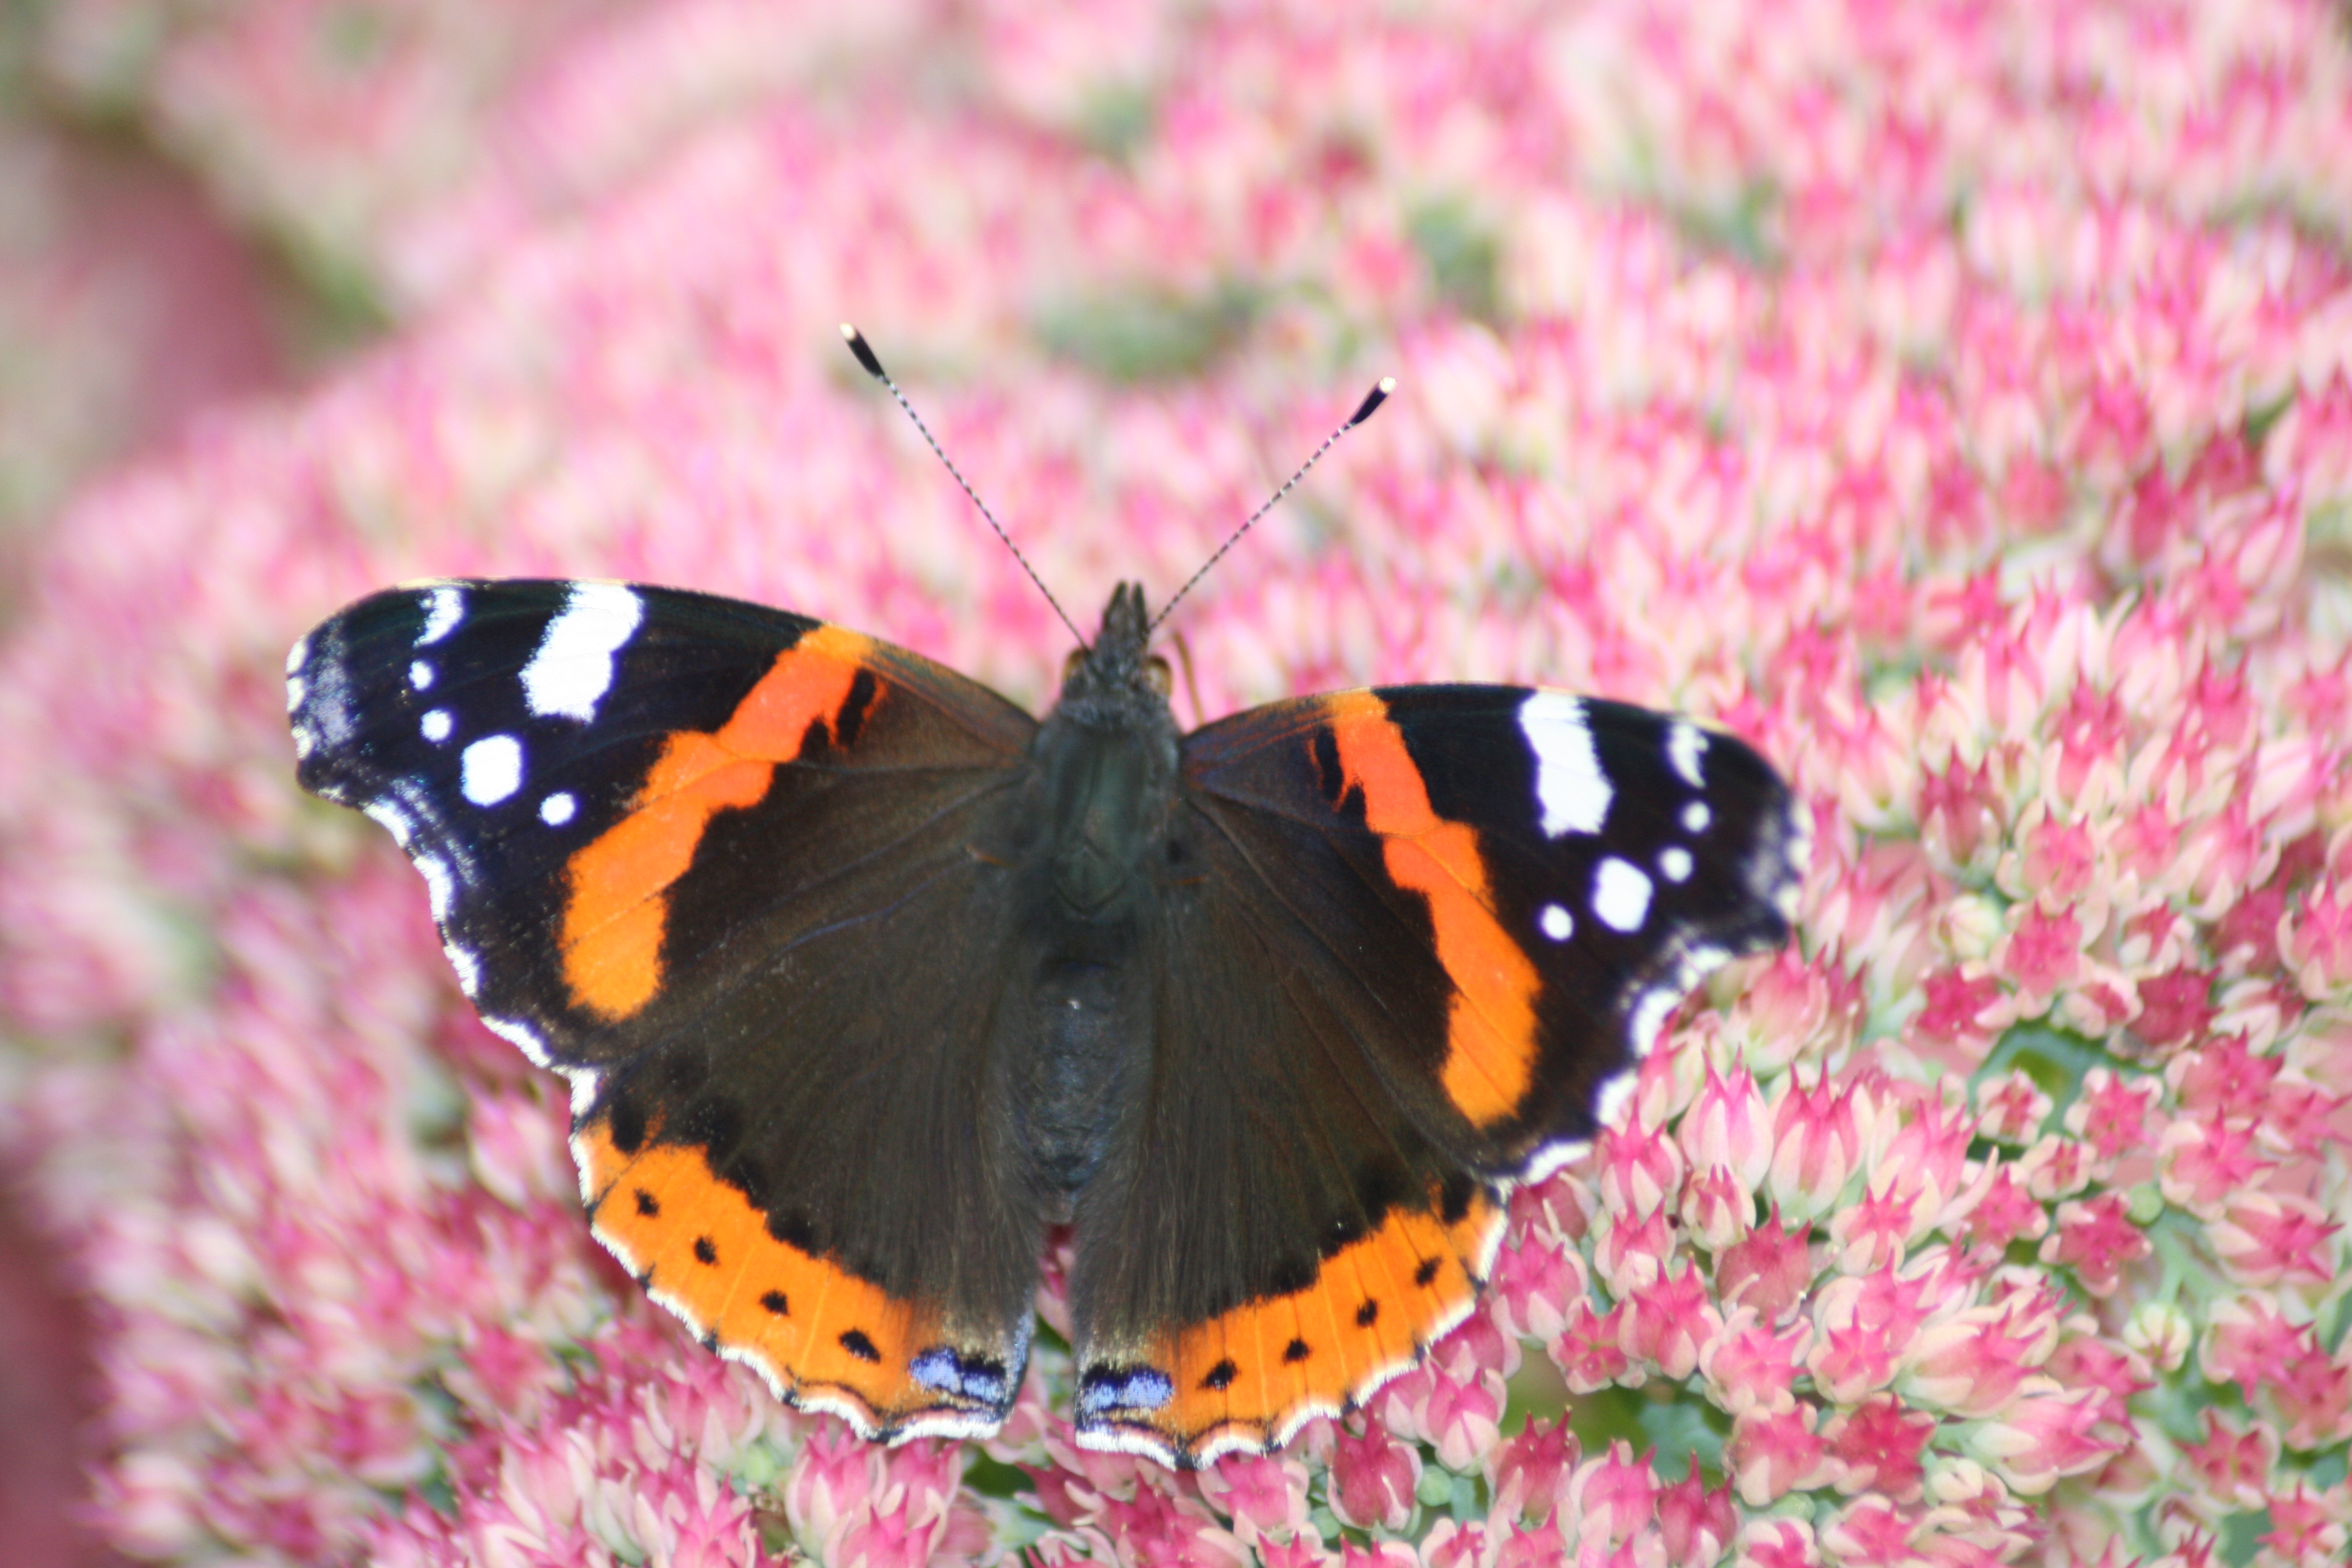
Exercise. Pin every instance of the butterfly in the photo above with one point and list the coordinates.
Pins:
(862, 977)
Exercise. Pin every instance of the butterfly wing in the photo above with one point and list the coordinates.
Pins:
(714, 862)
(1410, 939)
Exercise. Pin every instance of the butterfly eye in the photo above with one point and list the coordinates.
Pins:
(1157, 674)
(1070, 665)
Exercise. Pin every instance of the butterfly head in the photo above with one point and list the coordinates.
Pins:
(1119, 671)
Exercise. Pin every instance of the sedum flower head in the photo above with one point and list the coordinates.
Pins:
(1951, 400)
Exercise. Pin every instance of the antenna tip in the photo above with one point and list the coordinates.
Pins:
(864, 353)
(1373, 401)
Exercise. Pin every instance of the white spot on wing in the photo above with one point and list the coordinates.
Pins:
(1695, 816)
(491, 769)
(420, 674)
(584, 1091)
(435, 726)
(1556, 922)
(1569, 785)
(1676, 862)
(1621, 894)
(443, 607)
(297, 688)
(469, 970)
(1685, 745)
(296, 655)
(557, 809)
(573, 668)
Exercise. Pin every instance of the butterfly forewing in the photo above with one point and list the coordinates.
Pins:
(714, 861)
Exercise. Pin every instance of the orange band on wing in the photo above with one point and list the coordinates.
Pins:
(618, 907)
(824, 1336)
(1253, 1373)
(1491, 1044)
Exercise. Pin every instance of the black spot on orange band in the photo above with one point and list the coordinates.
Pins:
(1249, 1374)
(822, 1335)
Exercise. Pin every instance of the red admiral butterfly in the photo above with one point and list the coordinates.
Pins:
(862, 977)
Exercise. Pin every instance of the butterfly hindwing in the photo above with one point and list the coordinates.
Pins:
(1412, 936)
(713, 861)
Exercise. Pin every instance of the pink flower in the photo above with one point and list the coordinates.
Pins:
(1533, 1284)
(2318, 941)
(1265, 1496)
(1815, 1145)
(2111, 1114)
(831, 1486)
(2232, 1465)
(1459, 1544)
(1697, 1524)
(2309, 1527)
(2175, 1008)
(1613, 1495)
(1631, 1253)
(1640, 1169)
(2044, 1434)
(1768, 1272)
(2263, 1238)
(1715, 1208)
(1667, 1321)
(1878, 1447)
(1748, 1365)
(2203, 1163)
(2224, 1081)
(1372, 1479)
(1866, 1327)
(1778, 1543)
(1538, 1547)
(1533, 1470)
(2097, 1239)
(2006, 1213)
(1771, 1454)
(1587, 1351)
(1957, 1004)
(1728, 1126)
(2041, 954)
(1459, 1415)
(1154, 1527)
(2012, 1107)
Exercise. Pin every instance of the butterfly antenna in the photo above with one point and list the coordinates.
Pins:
(873, 365)
(1364, 410)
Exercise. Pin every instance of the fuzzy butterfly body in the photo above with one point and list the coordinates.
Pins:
(862, 977)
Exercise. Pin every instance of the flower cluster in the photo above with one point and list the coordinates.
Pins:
(1954, 400)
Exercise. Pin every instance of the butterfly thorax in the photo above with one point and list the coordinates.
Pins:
(1107, 753)
(1106, 761)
